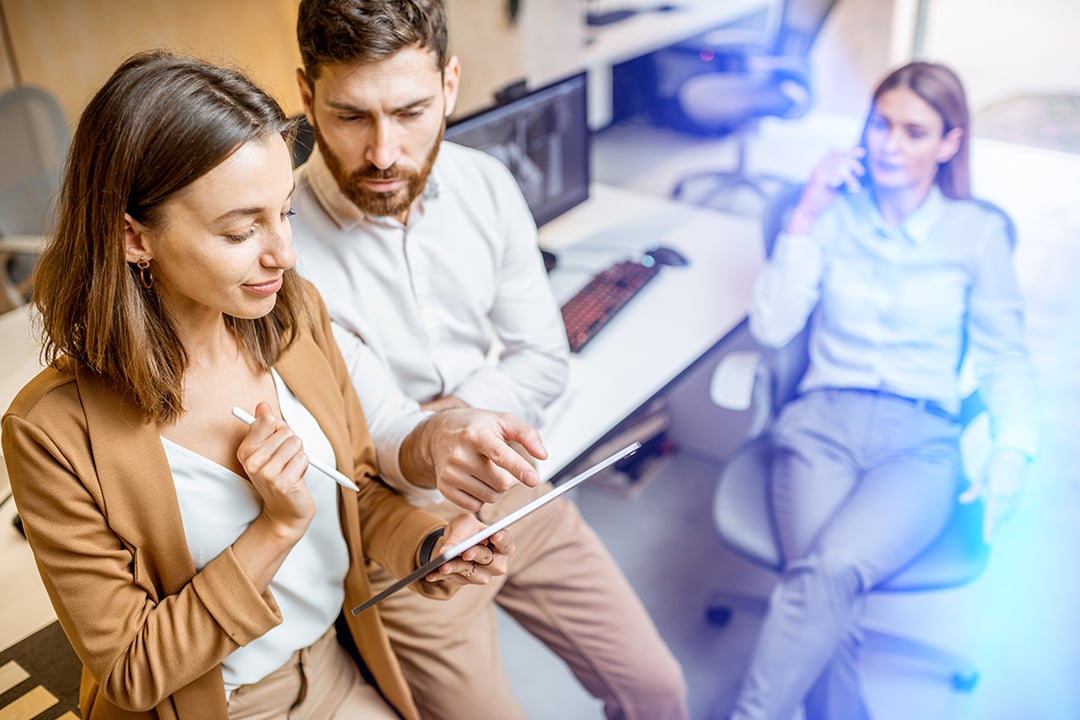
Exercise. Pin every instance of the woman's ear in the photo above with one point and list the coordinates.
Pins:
(135, 245)
(950, 145)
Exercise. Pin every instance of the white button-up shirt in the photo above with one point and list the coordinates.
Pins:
(453, 302)
(896, 309)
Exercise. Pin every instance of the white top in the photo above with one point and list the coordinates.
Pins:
(217, 505)
(454, 302)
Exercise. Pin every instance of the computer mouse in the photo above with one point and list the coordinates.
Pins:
(663, 255)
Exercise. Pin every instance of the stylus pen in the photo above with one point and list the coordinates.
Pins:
(330, 472)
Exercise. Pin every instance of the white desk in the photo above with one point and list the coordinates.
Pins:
(647, 32)
(672, 322)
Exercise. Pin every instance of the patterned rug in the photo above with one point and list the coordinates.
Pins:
(39, 678)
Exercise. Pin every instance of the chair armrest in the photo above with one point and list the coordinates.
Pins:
(734, 381)
(742, 381)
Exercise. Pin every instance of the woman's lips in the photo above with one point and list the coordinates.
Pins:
(267, 288)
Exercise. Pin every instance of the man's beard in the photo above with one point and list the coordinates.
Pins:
(380, 204)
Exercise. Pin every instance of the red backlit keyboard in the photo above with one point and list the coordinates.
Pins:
(604, 295)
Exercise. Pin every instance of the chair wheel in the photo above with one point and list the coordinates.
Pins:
(718, 615)
(965, 681)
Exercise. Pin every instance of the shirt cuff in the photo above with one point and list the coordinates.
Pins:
(392, 434)
(228, 594)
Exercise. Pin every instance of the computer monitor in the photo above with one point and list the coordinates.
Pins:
(543, 137)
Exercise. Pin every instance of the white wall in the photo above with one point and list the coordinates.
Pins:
(1004, 48)
(1000, 48)
(851, 54)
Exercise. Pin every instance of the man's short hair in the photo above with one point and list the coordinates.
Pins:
(362, 31)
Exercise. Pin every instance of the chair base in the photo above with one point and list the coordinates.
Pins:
(962, 673)
(706, 187)
(720, 181)
(716, 182)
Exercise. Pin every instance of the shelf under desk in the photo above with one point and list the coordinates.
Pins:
(670, 324)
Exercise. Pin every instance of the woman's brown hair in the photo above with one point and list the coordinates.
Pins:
(941, 88)
(158, 124)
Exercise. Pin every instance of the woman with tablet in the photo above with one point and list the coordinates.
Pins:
(197, 564)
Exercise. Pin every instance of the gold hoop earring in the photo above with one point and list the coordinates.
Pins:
(145, 277)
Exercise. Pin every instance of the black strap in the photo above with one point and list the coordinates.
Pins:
(429, 544)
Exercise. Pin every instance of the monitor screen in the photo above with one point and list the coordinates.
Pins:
(543, 137)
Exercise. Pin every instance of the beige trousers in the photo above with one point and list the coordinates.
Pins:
(565, 589)
(320, 682)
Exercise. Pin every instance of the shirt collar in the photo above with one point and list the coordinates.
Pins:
(917, 227)
(343, 211)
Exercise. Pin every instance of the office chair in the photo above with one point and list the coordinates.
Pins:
(750, 76)
(304, 142)
(34, 139)
(742, 506)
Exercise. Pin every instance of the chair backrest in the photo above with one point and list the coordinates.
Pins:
(34, 139)
(741, 86)
(304, 142)
(787, 364)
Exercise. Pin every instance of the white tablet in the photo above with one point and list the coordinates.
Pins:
(452, 552)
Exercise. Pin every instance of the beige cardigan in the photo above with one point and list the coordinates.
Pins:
(96, 495)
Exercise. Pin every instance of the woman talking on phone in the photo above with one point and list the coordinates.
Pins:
(198, 566)
(899, 274)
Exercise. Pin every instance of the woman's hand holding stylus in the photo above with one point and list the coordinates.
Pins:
(274, 460)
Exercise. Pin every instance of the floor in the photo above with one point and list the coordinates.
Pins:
(1017, 621)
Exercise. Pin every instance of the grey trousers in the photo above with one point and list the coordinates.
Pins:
(861, 484)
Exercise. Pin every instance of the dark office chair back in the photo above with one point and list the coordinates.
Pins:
(744, 83)
(304, 142)
(788, 364)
